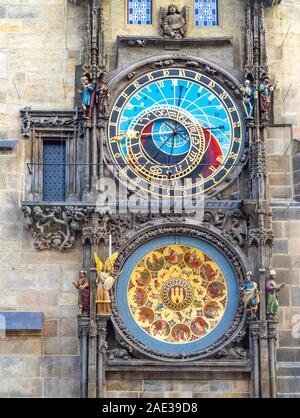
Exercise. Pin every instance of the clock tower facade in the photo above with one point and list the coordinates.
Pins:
(160, 184)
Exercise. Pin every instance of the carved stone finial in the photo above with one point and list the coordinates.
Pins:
(173, 23)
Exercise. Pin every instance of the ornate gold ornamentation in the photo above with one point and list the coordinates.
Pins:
(177, 294)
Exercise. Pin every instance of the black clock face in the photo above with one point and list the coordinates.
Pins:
(175, 129)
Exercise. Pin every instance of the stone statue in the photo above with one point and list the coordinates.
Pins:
(87, 96)
(102, 96)
(238, 227)
(251, 295)
(82, 284)
(266, 89)
(173, 23)
(248, 99)
(272, 290)
(105, 281)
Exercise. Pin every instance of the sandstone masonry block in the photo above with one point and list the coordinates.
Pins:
(61, 388)
(20, 346)
(60, 367)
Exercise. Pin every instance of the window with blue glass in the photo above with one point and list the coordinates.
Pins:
(206, 12)
(54, 171)
(139, 12)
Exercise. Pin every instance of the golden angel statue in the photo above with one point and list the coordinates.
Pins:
(173, 23)
(105, 281)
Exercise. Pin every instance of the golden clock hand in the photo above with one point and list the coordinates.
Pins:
(134, 134)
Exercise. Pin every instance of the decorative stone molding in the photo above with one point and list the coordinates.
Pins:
(55, 227)
(260, 237)
(233, 224)
(83, 325)
(167, 43)
(234, 353)
(59, 119)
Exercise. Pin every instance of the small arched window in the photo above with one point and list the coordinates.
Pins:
(206, 12)
(139, 12)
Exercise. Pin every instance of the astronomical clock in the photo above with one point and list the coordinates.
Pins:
(176, 130)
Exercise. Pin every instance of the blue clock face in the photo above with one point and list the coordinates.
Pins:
(175, 129)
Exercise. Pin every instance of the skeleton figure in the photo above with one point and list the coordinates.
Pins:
(248, 99)
(173, 23)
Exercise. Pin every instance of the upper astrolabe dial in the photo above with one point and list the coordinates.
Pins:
(175, 129)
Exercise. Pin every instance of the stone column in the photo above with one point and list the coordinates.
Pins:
(272, 336)
(101, 355)
(254, 327)
(83, 333)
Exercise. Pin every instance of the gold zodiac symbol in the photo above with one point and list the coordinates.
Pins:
(177, 294)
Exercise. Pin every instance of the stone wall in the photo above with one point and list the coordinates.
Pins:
(283, 36)
(171, 384)
(40, 45)
(231, 21)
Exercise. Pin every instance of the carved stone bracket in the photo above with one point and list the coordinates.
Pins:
(233, 224)
(254, 327)
(102, 333)
(83, 325)
(272, 329)
(260, 237)
(101, 226)
(234, 353)
(55, 227)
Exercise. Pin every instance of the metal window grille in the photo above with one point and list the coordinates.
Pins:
(54, 170)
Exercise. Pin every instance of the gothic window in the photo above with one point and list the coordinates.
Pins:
(206, 12)
(54, 177)
(139, 12)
